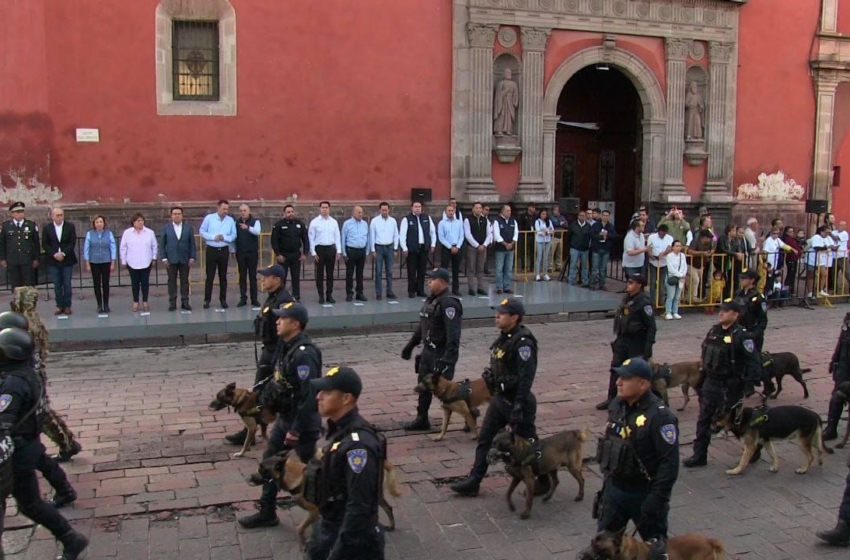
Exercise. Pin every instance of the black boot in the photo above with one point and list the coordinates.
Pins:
(603, 405)
(64, 495)
(67, 454)
(266, 517)
(73, 544)
(830, 432)
(467, 487)
(695, 461)
(657, 549)
(840, 536)
(238, 438)
(421, 423)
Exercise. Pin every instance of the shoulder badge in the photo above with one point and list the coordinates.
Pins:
(355, 436)
(357, 460)
(669, 433)
(755, 298)
(450, 312)
(648, 310)
(5, 401)
(749, 345)
(525, 353)
(303, 372)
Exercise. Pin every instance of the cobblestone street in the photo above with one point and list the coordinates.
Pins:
(156, 481)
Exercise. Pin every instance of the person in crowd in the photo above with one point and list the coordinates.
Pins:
(545, 230)
(485, 210)
(729, 250)
(218, 231)
(248, 229)
(841, 276)
(100, 252)
(819, 259)
(59, 242)
(602, 236)
(792, 259)
(773, 249)
(450, 234)
(326, 248)
(752, 236)
(290, 245)
(179, 251)
(696, 223)
(383, 237)
(417, 237)
(677, 271)
(579, 248)
(526, 238)
(659, 245)
(138, 251)
(20, 249)
(677, 227)
(505, 236)
(699, 251)
(634, 249)
(478, 236)
(648, 225)
(355, 247)
(559, 222)
(718, 286)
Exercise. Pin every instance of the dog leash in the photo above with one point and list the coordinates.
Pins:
(261, 383)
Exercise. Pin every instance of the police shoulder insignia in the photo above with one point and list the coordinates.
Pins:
(357, 460)
(749, 345)
(450, 312)
(303, 372)
(5, 401)
(648, 310)
(525, 353)
(335, 445)
(669, 433)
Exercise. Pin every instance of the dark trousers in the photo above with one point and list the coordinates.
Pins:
(305, 448)
(30, 504)
(61, 278)
(713, 397)
(427, 363)
(21, 275)
(448, 259)
(844, 508)
(791, 277)
(175, 269)
(292, 267)
(52, 472)
(265, 363)
(623, 349)
(217, 258)
(417, 262)
(619, 507)
(836, 403)
(354, 264)
(368, 546)
(246, 263)
(325, 269)
(100, 278)
(497, 417)
(140, 279)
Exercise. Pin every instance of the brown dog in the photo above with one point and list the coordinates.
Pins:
(618, 546)
(246, 403)
(458, 397)
(289, 472)
(560, 450)
(667, 376)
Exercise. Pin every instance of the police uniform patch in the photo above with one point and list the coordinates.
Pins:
(749, 346)
(5, 401)
(524, 353)
(450, 312)
(648, 310)
(357, 460)
(303, 372)
(669, 433)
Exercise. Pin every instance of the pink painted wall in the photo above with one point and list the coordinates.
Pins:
(843, 17)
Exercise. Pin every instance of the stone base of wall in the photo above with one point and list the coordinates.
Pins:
(791, 213)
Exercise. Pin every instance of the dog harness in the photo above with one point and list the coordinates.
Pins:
(463, 394)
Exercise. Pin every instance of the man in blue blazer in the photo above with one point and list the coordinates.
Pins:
(179, 252)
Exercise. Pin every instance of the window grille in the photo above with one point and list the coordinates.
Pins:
(195, 60)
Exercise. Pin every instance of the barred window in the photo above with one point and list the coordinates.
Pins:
(195, 60)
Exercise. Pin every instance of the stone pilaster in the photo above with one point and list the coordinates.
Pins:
(673, 187)
(531, 185)
(718, 187)
(550, 129)
(827, 83)
(480, 183)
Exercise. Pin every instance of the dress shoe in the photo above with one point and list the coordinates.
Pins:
(840, 536)
(263, 518)
(185, 305)
(255, 303)
(242, 302)
(330, 299)
(172, 307)
(481, 292)
(100, 309)
(378, 297)
(360, 297)
(238, 438)
(694, 461)
(73, 544)
(468, 487)
(472, 292)
(106, 309)
(411, 295)
(391, 295)
(349, 298)
(67, 496)
(508, 291)
(68, 311)
(498, 291)
(223, 304)
(603, 405)
(59, 311)
(67, 454)
(206, 304)
(321, 300)
(419, 424)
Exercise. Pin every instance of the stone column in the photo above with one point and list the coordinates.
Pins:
(550, 129)
(531, 185)
(652, 160)
(827, 83)
(718, 186)
(673, 188)
(480, 185)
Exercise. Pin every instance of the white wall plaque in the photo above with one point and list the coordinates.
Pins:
(88, 135)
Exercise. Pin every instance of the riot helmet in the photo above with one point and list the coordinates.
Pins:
(16, 345)
(9, 319)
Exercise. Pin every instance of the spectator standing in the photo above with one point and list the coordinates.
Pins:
(525, 222)
(677, 271)
(355, 247)
(505, 236)
(556, 259)
(634, 250)
(602, 235)
(819, 260)
(179, 251)
(325, 247)
(485, 210)
(700, 251)
(138, 251)
(219, 231)
(658, 245)
(752, 235)
(20, 249)
(579, 249)
(648, 225)
(290, 244)
(544, 228)
(792, 259)
(772, 249)
(728, 252)
(478, 238)
(100, 252)
(842, 275)
(383, 236)
(696, 223)
(59, 241)
(450, 232)
(417, 237)
(248, 229)
(677, 227)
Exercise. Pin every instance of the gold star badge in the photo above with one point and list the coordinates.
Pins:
(640, 421)
(727, 339)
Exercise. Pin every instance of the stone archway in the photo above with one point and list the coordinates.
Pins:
(654, 111)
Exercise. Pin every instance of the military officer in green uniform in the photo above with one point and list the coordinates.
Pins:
(19, 248)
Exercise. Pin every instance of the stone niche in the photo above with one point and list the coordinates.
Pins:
(696, 109)
(507, 145)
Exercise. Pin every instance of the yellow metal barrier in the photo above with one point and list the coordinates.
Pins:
(266, 259)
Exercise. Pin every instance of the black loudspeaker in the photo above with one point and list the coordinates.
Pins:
(817, 207)
(569, 205)
(420, 195)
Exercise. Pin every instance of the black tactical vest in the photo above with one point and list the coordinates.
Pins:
(503, 360)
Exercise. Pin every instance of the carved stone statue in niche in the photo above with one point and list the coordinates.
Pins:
(694, 111)
(505, 105)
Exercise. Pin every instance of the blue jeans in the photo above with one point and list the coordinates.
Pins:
(542, 257)
(61, 278)
(599, 268)
(504, 269)
(383, 259)
(673, 295)
(575, 255)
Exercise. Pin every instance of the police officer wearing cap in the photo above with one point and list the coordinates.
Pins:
(19, 248)
(513, 365)
(265, 329)
(349, 481)
(754, 306)
(634, 327)
(21, 417)
(439, 332)
(731, 368)
(290, 395)
(839, 368)
(639, 457)
(290, 245)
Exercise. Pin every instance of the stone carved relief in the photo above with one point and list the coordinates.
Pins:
(697, 51)
(596, 6)
(720, 52)
(677, 49)
(547, 4)
(507, 37)
(572, 5)
(481, 35)
(534, 39)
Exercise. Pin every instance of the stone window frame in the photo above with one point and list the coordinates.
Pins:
(167, 11)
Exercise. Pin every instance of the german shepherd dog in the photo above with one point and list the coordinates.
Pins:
(288, 471)
(560, 450)
(618, 546)
(450, 395)
(245, 403)
(843, 392)
(781, 422)
(667, 376)
(775, 366)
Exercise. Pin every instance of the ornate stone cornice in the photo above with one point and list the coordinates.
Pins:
(720, 52)
(677, 49)
(481, 35)
(534, 38)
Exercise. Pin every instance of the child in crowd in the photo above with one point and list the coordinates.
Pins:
(715, 296)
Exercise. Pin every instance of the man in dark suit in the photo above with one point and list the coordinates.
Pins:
(19, 247)
(59, 241)
(178, 255)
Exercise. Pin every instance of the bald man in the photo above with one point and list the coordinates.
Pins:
(355, 243)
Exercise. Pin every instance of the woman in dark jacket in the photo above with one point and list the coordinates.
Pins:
(791, 259)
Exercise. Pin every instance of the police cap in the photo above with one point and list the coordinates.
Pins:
(510, 306)
(10, 319)
(440, 273)
(293, 310)
(15, 206)
(635, 367)
(750, 273)
(731, 305)
(342, 379)
(639, 278)
(274, 270)
(16, 345)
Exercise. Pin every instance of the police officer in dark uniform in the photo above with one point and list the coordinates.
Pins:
(21, 415)
(731, 369)
(19, 248)
(290, 245)
(265, 328)
(634, 327)
(350, 480)
(839, 367)
(290, 395)
(439, 330)
(754, 305)
(513, 364)
(639, 457)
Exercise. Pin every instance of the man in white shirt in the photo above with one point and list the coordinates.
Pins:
(634, 249)
(417, 238)
(476, 230)
(751, 233)
(659, 244)
(325, 247)
(842, 275)
(383, 236)
(218, 231)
